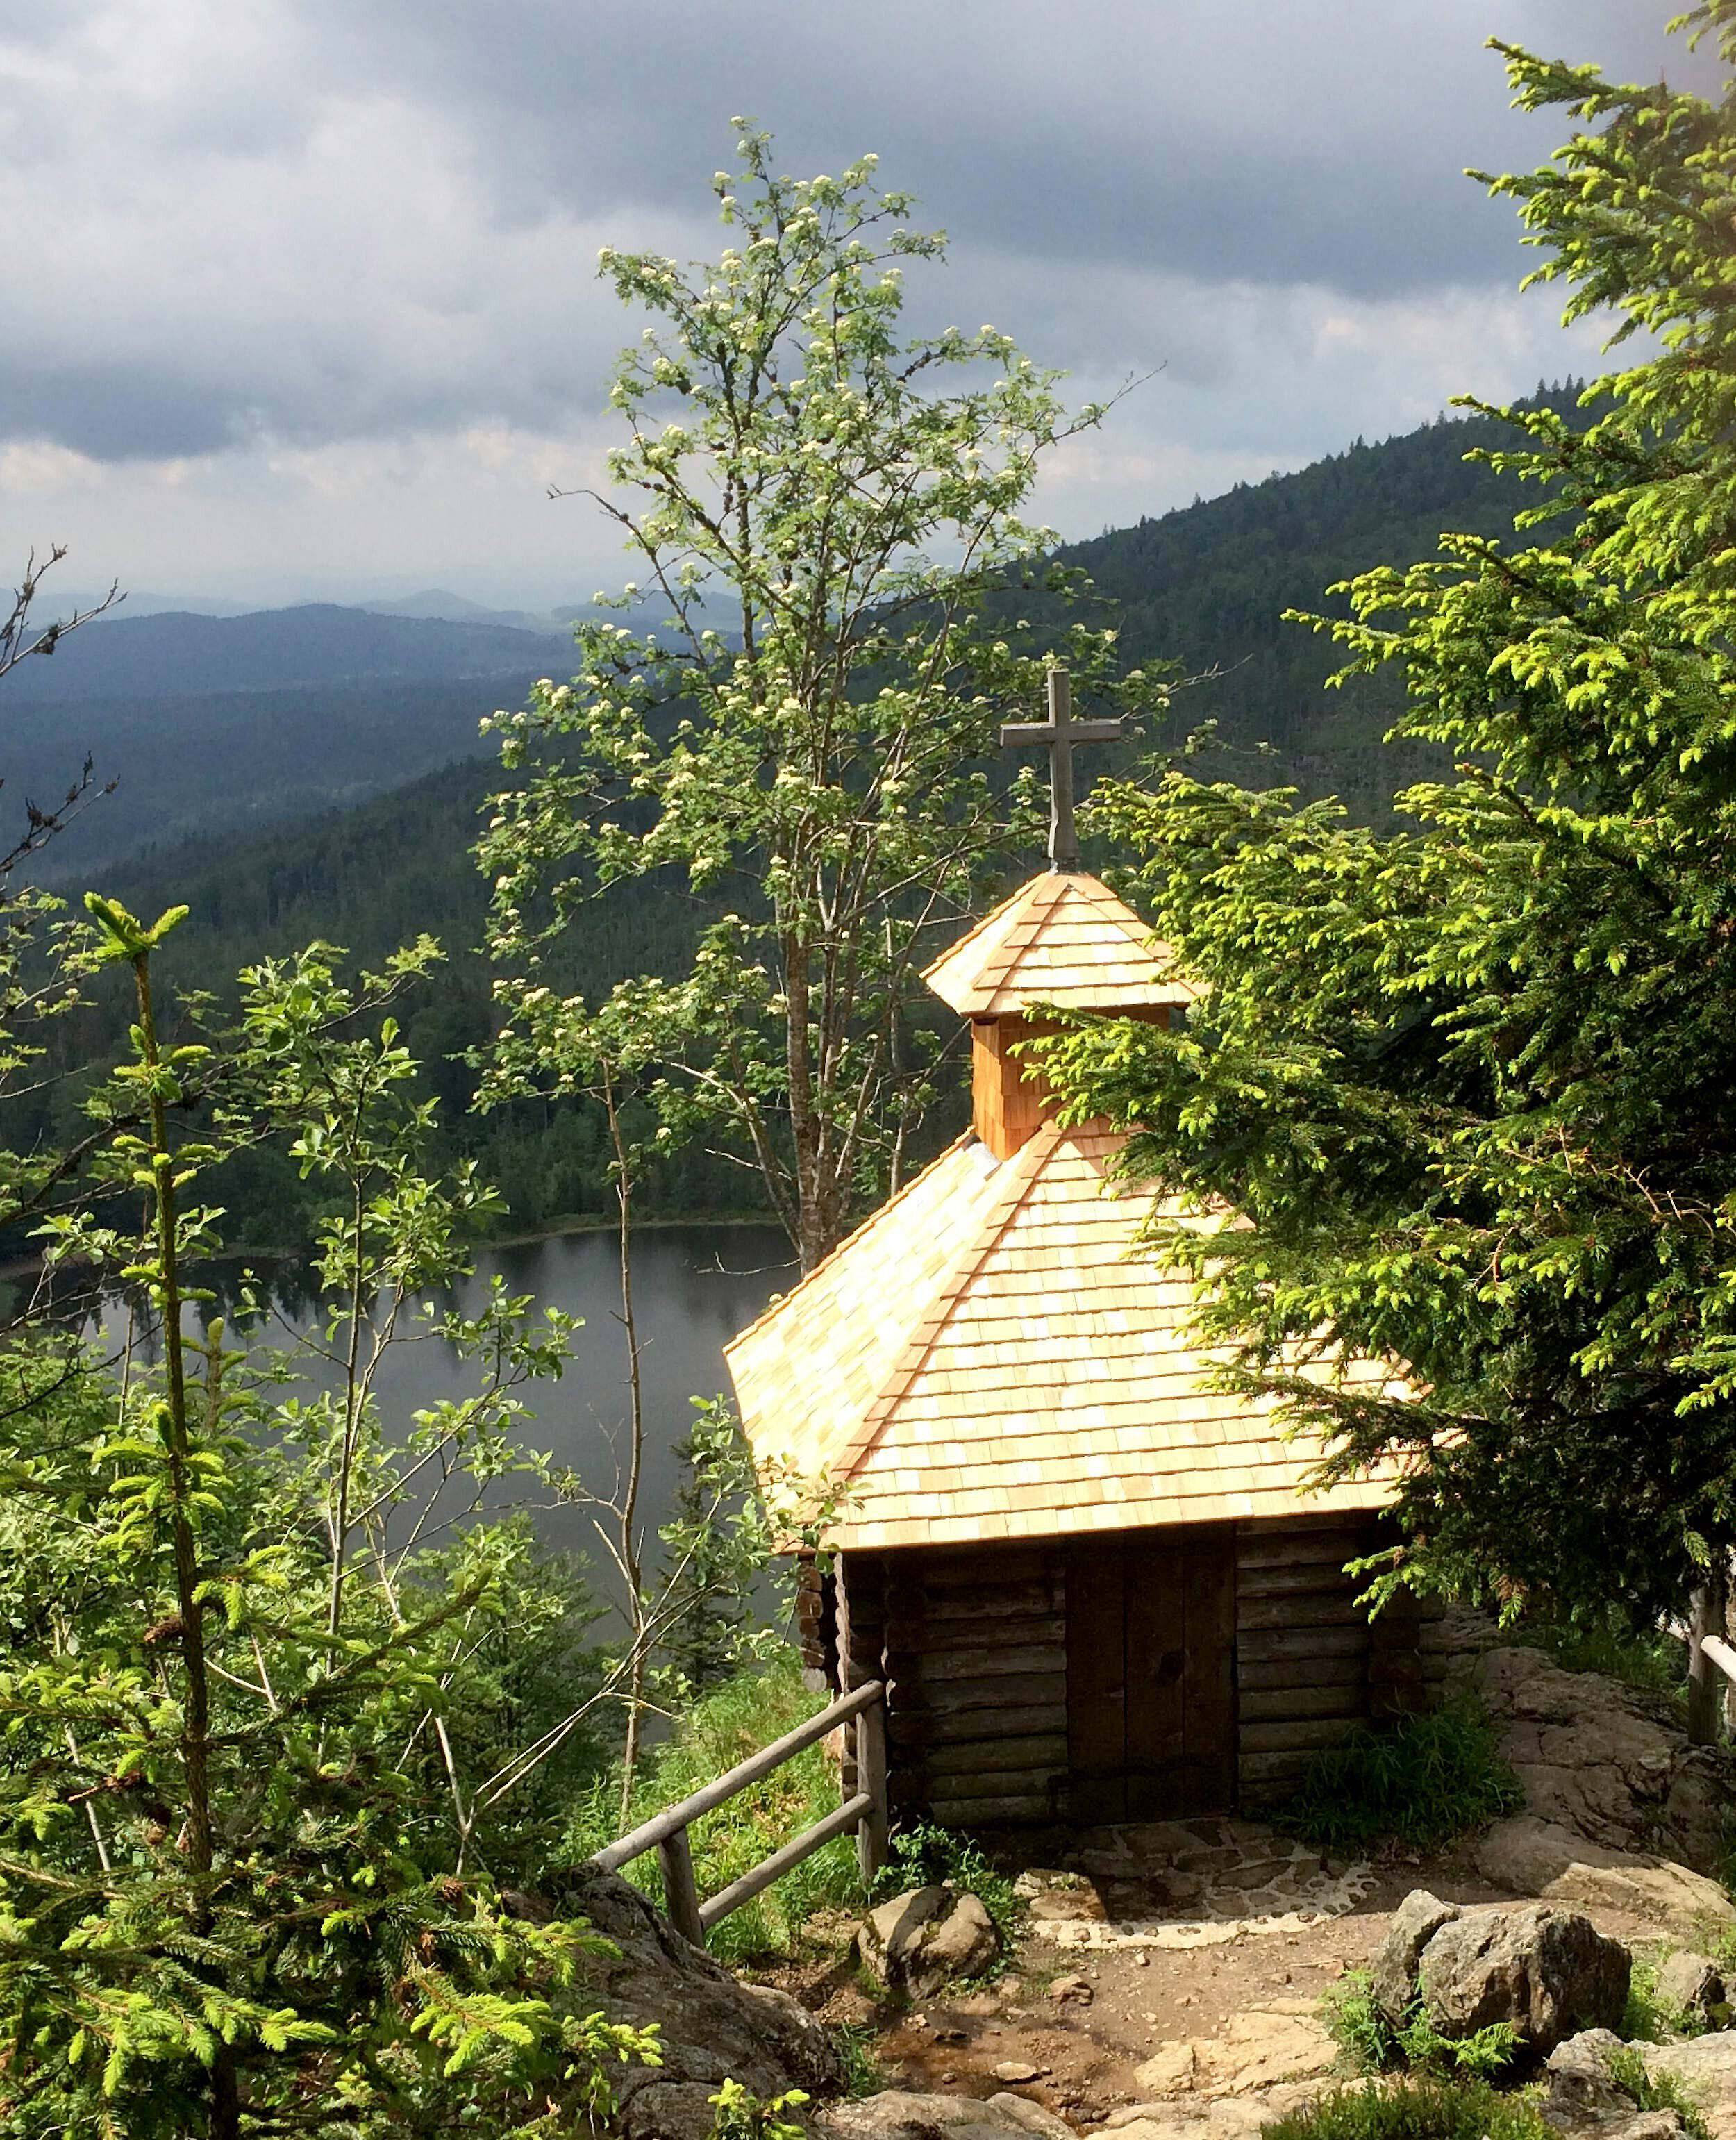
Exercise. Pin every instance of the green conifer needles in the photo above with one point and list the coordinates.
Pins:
(1470, 1085)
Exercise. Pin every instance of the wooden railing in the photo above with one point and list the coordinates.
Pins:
(1708, 1705)
(866, 1812)
(1721, 1654)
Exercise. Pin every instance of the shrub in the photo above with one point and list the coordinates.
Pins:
(1421, 1782)
(1357, 2025)
(1362, 2029)
(740, 2115)
(925, 1856)
(746, 1713)
(1646, 2019)
(1423, 2107)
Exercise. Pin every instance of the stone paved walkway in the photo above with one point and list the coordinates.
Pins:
(1184, 1884)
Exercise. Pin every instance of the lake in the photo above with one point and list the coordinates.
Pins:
(694, 1288)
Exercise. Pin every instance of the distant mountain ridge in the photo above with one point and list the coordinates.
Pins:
(231, 784)
(179, 654)
(459, 609)
(218, 725)
(220, 728)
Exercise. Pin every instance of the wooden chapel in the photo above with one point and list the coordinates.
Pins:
(1096, 1588)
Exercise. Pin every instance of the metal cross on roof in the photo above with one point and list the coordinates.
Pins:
(1061, 733)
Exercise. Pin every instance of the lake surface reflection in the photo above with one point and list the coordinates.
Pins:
(694, 1288)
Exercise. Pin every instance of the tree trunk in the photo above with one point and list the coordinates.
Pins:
(631, 1568)
(223, 2123)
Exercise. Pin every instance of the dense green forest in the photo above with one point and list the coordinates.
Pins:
(310, 1736)
(1207, 586)
(1204, 587)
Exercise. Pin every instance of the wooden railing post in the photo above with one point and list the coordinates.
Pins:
(680, 1890)
(1705, 1685)
(864, 1812)
(870, 1781)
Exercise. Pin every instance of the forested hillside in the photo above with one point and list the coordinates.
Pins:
(1204, 586)
(1207, 587)
(219, 725)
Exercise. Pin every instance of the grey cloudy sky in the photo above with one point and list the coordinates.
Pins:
(303, 298)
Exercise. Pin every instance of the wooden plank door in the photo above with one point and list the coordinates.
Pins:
(1151, 1700)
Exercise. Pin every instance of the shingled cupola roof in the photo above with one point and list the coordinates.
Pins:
(1063, 939)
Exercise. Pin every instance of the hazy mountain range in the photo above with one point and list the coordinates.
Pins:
(215, 726)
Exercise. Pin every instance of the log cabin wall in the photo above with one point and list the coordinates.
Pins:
(1309, 1663)
(972, 1642)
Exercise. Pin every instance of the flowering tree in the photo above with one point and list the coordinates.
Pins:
(829, 531)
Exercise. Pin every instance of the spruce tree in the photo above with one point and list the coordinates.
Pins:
(1469, 1084)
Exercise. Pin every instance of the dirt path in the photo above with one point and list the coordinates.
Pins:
(1142, 1938)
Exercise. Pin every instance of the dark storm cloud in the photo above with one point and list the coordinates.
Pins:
(322, 220)
(121, 411)
(1319, 140)
(312, 282)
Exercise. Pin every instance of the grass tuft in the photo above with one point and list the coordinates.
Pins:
(1421, 1782)
(1422, 2107)
(863, 2073)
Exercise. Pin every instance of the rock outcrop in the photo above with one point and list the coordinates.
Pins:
(1705, 2069)
(927, 1938)
(713, 2028)
(1534, 1857)
(1283, 2040)
(1219, 2117)
(895, 2116)
(1548, 1973)
(1605, 1762)
(1691, 1989)
(1583, 2099)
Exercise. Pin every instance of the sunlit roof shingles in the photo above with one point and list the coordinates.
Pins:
(1133, 1431)
(991, 1356)
(1062, 938)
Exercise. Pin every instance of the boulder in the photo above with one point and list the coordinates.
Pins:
(1393, 1972)
(896, 2116)
(713, 2029)
(1541, 1858)
(1219, 2117)
(1606, 1762)
(1705, 2069)
(923, 1940)
(1692, 1986)
(1581, 2090)
(1549, 1972)
(1169, 2070)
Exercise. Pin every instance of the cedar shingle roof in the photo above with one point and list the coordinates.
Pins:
(1064, 937)
(990, 1356)
(993, 1356)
